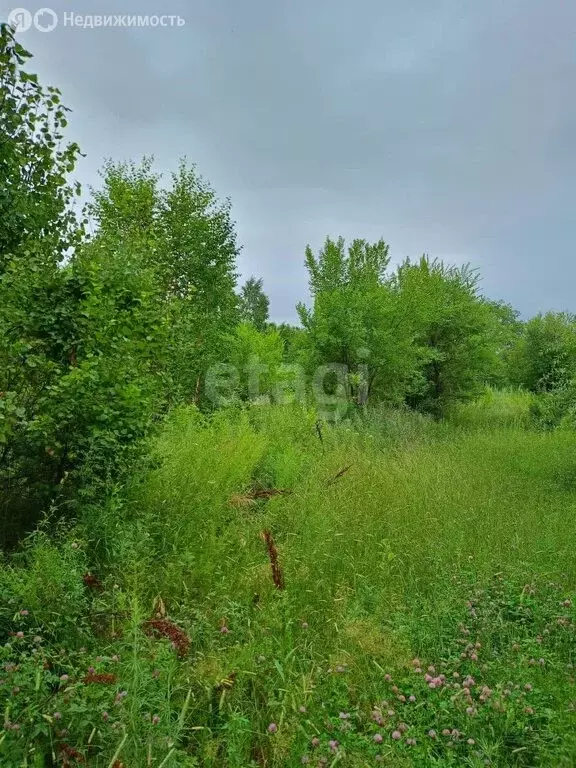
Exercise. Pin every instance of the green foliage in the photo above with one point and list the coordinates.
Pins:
(257, 357)
(455, 329)
(509, 329)
(187, 239)
(80, 348)
(357, 321)
(34, 196)
(294, 341)
(423, 335)
(37, 227)
(199, 246)
(556, 409)
(124, 209)
(544, 357)
(363, 265)
(93, 350)
(254, 304)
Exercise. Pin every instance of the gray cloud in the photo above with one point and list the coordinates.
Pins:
(445, 129)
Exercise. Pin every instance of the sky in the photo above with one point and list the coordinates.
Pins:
(447, 128)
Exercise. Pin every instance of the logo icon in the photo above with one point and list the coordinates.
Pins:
(20, 19)
(45, 20)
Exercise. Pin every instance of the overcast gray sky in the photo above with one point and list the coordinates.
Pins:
(444, 126)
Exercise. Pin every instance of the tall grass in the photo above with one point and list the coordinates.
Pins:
(495, 409)
(389, 526)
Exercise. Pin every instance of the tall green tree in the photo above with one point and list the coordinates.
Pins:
(198, 251)
(456, 331)
(543, 359)
(254, 304)
(37, 229)
(35, 200)
(509, 332)
(80, 322)
(357, 321)
(186, 236)
(256, 357)
(293, 339)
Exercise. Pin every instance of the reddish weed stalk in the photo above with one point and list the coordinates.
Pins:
(105, 678)
(92, 582)
(68, 753)
(277, 575)
(167, 628)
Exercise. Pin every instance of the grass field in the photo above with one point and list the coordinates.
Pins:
(408, 600)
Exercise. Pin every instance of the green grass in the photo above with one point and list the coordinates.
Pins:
(495, 409)
(435, 538)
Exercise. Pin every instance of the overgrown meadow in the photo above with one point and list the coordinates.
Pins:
(241, 573)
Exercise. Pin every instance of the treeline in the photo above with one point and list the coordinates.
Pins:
(110, 318)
